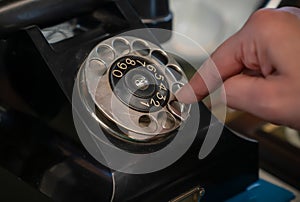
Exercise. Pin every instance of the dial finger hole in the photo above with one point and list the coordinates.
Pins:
(160, 57)
(97, 67)
(178, 109)
(166, 120)
(106, 53)
(147, 123)
(176, 87)
(121, 46)
(141, 47)
(174, 71)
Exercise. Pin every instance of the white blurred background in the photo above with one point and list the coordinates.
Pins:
(208, 22)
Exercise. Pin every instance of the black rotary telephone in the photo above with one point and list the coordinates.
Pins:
(124, 86)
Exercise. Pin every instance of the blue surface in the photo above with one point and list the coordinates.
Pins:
(263, 191)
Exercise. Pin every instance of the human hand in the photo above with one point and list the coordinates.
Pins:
(260, 68)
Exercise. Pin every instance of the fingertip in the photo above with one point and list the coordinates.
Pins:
(186, 95)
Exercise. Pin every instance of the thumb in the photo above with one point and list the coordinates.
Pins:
(250, 94)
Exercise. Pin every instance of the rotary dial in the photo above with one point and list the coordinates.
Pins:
(132, 83)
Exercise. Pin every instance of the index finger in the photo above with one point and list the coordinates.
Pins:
(223, 63)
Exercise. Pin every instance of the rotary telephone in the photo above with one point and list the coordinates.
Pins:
(58, 55)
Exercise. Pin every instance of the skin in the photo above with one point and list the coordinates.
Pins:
(259, 66)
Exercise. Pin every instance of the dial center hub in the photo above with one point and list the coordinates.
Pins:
(139, 83)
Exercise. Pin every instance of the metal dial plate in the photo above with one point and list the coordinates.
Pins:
(132, 82)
